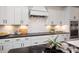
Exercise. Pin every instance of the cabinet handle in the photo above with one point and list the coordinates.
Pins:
(4, 21)
(17, 39)
(21, 44)
(21, 21)
(36, 43)
(7, 40)
(2, 48)
(26, 39)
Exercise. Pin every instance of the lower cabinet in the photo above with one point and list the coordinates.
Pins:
(0, 46)
(26, 42)
(20, 42)
(16, 43)
(6, 45)
(39, 40)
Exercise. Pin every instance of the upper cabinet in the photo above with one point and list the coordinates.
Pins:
(24, 16)
(6, 15)
(13, 15)
(3, 15)
(55, 15)
(17, 15)
(72, 13)
(10, 15)
(21, 15)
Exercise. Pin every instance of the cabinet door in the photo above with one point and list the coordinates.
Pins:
(66, 37)
(0, 46)
(6, 15)
(3, 14)
(16, 43)
(61, 37)
(10, 15)
(21, 15)
(6, 45)
(26, 42)
(17, 15)
(53, 22)
(1, 22)
(39, 40)
(24, 15)
(70, 12)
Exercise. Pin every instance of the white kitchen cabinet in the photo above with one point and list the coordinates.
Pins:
(10, 15)
(54, 21)
(17, 15)
(20, 42)
(66, 37)
(60, 37)
(13, 15)
(6, 15)
(21, 15)
(24, 16)
(39, 40)
(72, 13)
(3, 14)
(17, 43)
(0, 46)
(6, 45)
(26, 42)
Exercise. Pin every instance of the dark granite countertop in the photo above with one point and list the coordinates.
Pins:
(31, 34)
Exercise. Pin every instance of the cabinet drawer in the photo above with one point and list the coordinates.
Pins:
(39, 40)
(16, 45)
(20, 42)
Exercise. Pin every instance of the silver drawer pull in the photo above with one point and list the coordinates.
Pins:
(45, 41)
(17, 39)
(26, 39)
(36, 43)
(7, 40)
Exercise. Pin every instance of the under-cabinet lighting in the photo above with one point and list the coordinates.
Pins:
(58, 28)
(8, 27)
(23, 27)
(48, 27)
(65, 28)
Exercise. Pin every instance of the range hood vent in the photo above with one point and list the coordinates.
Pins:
(38, 11)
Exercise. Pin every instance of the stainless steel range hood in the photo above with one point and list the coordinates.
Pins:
(38, 11)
